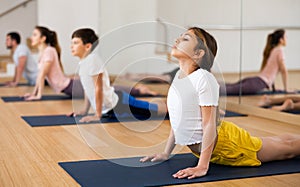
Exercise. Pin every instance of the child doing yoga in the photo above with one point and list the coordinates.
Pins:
(193, 109)
(95, 80)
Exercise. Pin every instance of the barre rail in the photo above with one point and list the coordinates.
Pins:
(257, 27)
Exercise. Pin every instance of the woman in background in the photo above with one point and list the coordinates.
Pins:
(272, 64)
(50, 67)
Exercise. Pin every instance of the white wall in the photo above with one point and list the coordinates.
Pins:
(124, 23)
(64, 17)
(105, 17)
(22, 20)
(7, 5)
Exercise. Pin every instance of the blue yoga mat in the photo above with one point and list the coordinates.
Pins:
(44, 98)
(54, 120)
(107, 173)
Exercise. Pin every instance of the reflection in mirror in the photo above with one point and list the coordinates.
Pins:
(270, 44)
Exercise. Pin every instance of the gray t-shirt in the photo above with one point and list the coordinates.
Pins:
(31, 69)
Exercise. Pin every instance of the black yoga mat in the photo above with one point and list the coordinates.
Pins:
(20, 84)
(147, 95)
(266, 92)
(58, 97)
(276, 92)
(287, 111)
(293, 111)
(54, 120)
(108, 173)
(44, 98)
(233, 114)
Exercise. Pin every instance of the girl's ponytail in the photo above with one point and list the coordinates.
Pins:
(272, 41)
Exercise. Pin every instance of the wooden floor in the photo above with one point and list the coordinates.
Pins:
(29, 156)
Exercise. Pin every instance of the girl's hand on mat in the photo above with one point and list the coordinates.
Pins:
(32, 98)
(155, 158)
(27, 95)
(292, 91)
(11, 84)
(190, 173)
(80, 113)
(87, 119)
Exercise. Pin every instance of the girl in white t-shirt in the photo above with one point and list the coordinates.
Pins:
(98, 92)
(193, 109)
(50, 67)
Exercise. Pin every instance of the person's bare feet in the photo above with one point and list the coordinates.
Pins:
(287, 105)
(145, 90)
(264, 101)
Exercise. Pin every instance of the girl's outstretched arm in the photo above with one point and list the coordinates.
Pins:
(284, 74)
(164, 155)
(40, 83)
(208, 142)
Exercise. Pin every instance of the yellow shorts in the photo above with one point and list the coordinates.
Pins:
(235, 146)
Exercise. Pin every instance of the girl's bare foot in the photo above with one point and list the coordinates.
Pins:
(287, 105)
(145, 90)
(264, 101)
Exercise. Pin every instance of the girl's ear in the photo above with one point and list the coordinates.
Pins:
(199, 53)
(43, 38)
(281, 40)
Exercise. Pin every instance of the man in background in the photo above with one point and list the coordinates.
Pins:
(25, 64)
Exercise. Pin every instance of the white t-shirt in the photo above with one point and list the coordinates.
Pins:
(31, 70)
(88, 67)
(185, 97)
